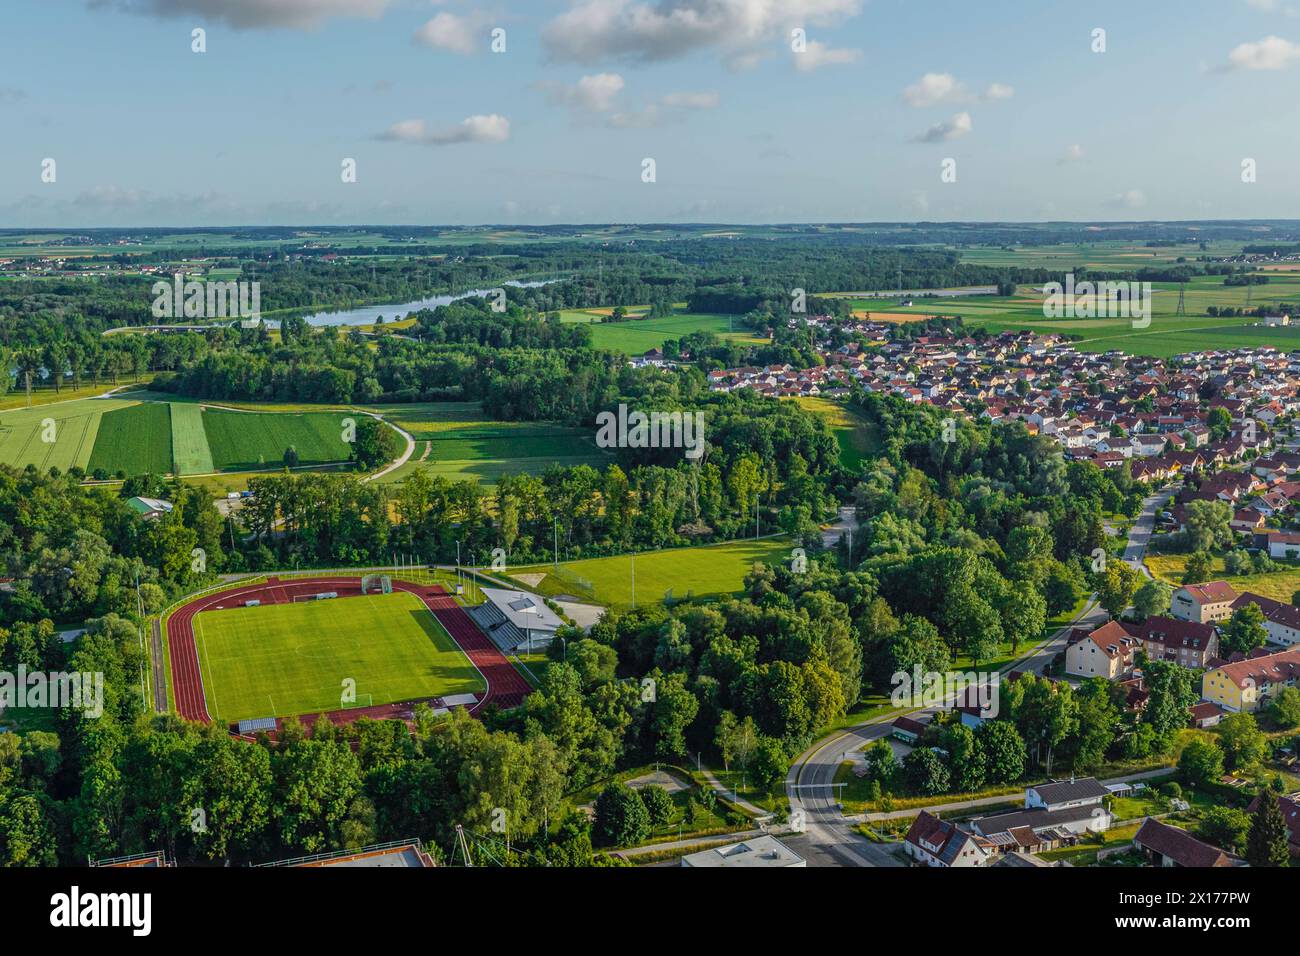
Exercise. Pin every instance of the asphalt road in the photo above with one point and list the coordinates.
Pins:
(1140, 534)
(827, 839)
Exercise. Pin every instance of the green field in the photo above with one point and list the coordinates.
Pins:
(288, 659)
(856, 436)
(709, 571)
(134, 440)
(638, 336)
(454, 440)
(242, 441)
(189, 441)
(24, 433)
(1168, 334)
(148, 433)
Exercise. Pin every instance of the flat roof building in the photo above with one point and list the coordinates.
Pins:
(761, 851)
(515, 620)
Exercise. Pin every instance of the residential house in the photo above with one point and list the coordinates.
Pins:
(1188, 643)
(1170, 846)
(1203, 603)
(1106, 652)
(934, 842)
(1245, 686)
(1282, 621)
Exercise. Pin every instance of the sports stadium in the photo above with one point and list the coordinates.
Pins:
(254, 654)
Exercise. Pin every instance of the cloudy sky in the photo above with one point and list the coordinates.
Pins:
(751, 110)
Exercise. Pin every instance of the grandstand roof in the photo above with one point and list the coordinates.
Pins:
(525, 611)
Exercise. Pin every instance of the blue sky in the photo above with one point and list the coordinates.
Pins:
(555, 129)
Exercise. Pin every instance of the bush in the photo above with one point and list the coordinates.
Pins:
(1171, 790)
(658, 805)
(621, 816)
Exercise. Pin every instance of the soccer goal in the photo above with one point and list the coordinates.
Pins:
(377, 582)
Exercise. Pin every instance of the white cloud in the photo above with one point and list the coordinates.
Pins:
(454, 33)
(669, 108)
(591, 94)
(818, 54)
(594, 30)
(1270, 53)
(473, 129)
(257, 14)
(952, 128)
(1073, 153)
(935, 89)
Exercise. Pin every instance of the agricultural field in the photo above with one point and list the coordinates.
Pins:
(637, 336)
(190, 451)
(134, 440)
(856, 436)
(242, 441)
(1111, 255)
(709, 571)
(455, 440)
(25, 433)
(287, 659)
(143, 433)
(1168, 334)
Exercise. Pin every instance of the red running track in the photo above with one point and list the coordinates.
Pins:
(506, 687)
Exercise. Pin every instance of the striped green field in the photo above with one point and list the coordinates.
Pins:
(288, 659)
(190, 441)
(134, 440)
(243, 441)
(53, 436)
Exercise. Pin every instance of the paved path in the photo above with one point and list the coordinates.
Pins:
(1140, 534)
(752, 809)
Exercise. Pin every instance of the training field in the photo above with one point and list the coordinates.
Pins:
(710, 571)
(287, 659)
(456, 441)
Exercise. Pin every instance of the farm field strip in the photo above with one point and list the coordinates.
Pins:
(242, 441)
(190, 441)
(135, 440)
(75, 426)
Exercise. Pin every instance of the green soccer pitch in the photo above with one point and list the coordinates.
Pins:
(286, 659)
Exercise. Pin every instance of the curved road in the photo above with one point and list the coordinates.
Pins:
(828, 839)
